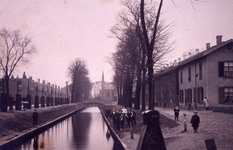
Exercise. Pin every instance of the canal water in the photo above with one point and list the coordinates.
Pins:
(85, 130)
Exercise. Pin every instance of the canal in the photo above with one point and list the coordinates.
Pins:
(85, 130)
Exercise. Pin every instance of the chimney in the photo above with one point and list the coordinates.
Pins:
(179, 59)
(171, 64)
(196, 51)
(207, 46)
(175, 62)
(218, 39)
(184, 55)
(189, 54)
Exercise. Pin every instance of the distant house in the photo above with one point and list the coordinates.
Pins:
(203, 74)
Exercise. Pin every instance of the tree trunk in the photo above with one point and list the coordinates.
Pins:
(150, 80)
(150, 47)
(143, 82)
(138, 90)
(7, 89)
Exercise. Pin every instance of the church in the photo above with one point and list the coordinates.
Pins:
(104, 91)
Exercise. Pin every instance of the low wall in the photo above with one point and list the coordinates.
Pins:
(17, 141)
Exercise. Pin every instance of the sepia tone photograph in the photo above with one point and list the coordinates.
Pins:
(116, 75)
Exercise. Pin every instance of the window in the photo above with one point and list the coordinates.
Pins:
(181, 77)
(189, 78)
(181, 96)
(225, 69)
(228, 69)
(226, 95)
(189, 95)
(200, 70)
(200, 95)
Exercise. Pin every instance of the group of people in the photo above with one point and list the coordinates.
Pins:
(195, 120)
(119, 117)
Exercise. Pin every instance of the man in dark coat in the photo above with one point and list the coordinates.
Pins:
(117, 116)
(195, 121)
(176, 113)
(108, 112)
(35, 116)
(131, 115)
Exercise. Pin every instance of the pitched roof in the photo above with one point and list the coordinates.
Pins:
(108, 85)
(194, 57)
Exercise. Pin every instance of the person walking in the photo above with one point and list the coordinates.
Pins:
(195, 120)
(176, 113)
(206, 104)
(35, 116)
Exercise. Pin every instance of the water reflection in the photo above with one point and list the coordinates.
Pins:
(35, 143)
(85, 130)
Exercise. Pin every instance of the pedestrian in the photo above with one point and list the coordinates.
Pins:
(122, 121)
(131, 115)
(108, 112)
(206, 104)
(35, 116)
(133, 118)
(124, 111)
(195, 121)
(118, 120)
(176, 113)
(185, 123)
(171, 102)
(114, 118)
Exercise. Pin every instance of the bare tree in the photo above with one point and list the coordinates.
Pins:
(150, 40)
(13, 49)
(130, 34)
(81, 85)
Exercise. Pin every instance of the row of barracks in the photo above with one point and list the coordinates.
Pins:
(27, 86)
(201, 74)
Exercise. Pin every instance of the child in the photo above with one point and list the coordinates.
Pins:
(185, 123)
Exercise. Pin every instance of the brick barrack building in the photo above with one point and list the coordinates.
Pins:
(201, 74)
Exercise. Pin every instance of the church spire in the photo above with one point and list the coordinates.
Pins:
(102, 80)
(102, 76)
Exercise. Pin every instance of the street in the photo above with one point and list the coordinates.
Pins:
(213, 125)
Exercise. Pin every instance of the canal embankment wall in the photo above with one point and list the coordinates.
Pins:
(15, 141)
(121, 145)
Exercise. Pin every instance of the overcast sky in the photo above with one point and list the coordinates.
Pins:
(65, 30)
